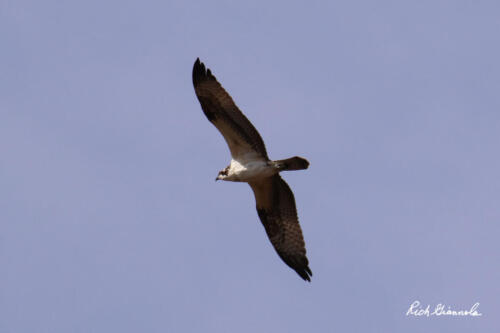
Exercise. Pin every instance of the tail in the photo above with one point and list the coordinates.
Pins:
(292, 163)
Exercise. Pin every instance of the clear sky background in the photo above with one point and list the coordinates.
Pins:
(110, 218)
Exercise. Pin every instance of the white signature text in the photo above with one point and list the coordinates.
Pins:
(416, 309)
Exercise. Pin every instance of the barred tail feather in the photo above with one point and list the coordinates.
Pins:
(293, 163)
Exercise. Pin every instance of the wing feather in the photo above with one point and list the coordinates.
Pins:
(220, 109)
(278, 214)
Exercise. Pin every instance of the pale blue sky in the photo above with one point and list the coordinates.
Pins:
(110, 217)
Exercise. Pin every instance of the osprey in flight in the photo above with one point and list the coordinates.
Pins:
(250, 164)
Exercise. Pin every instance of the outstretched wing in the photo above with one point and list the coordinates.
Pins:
(277, 212)
(239, 133)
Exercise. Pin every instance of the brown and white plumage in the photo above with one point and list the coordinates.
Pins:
(250, 163)
(239, 133)
(276, 209)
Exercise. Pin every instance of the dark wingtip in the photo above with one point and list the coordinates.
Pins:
(299, 265)
(200, 73)
(305, 273)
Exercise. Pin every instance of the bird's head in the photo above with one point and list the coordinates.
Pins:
(222, 174)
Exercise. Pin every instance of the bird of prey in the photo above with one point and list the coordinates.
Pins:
(250, 164)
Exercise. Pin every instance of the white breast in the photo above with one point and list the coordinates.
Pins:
(247, 170)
